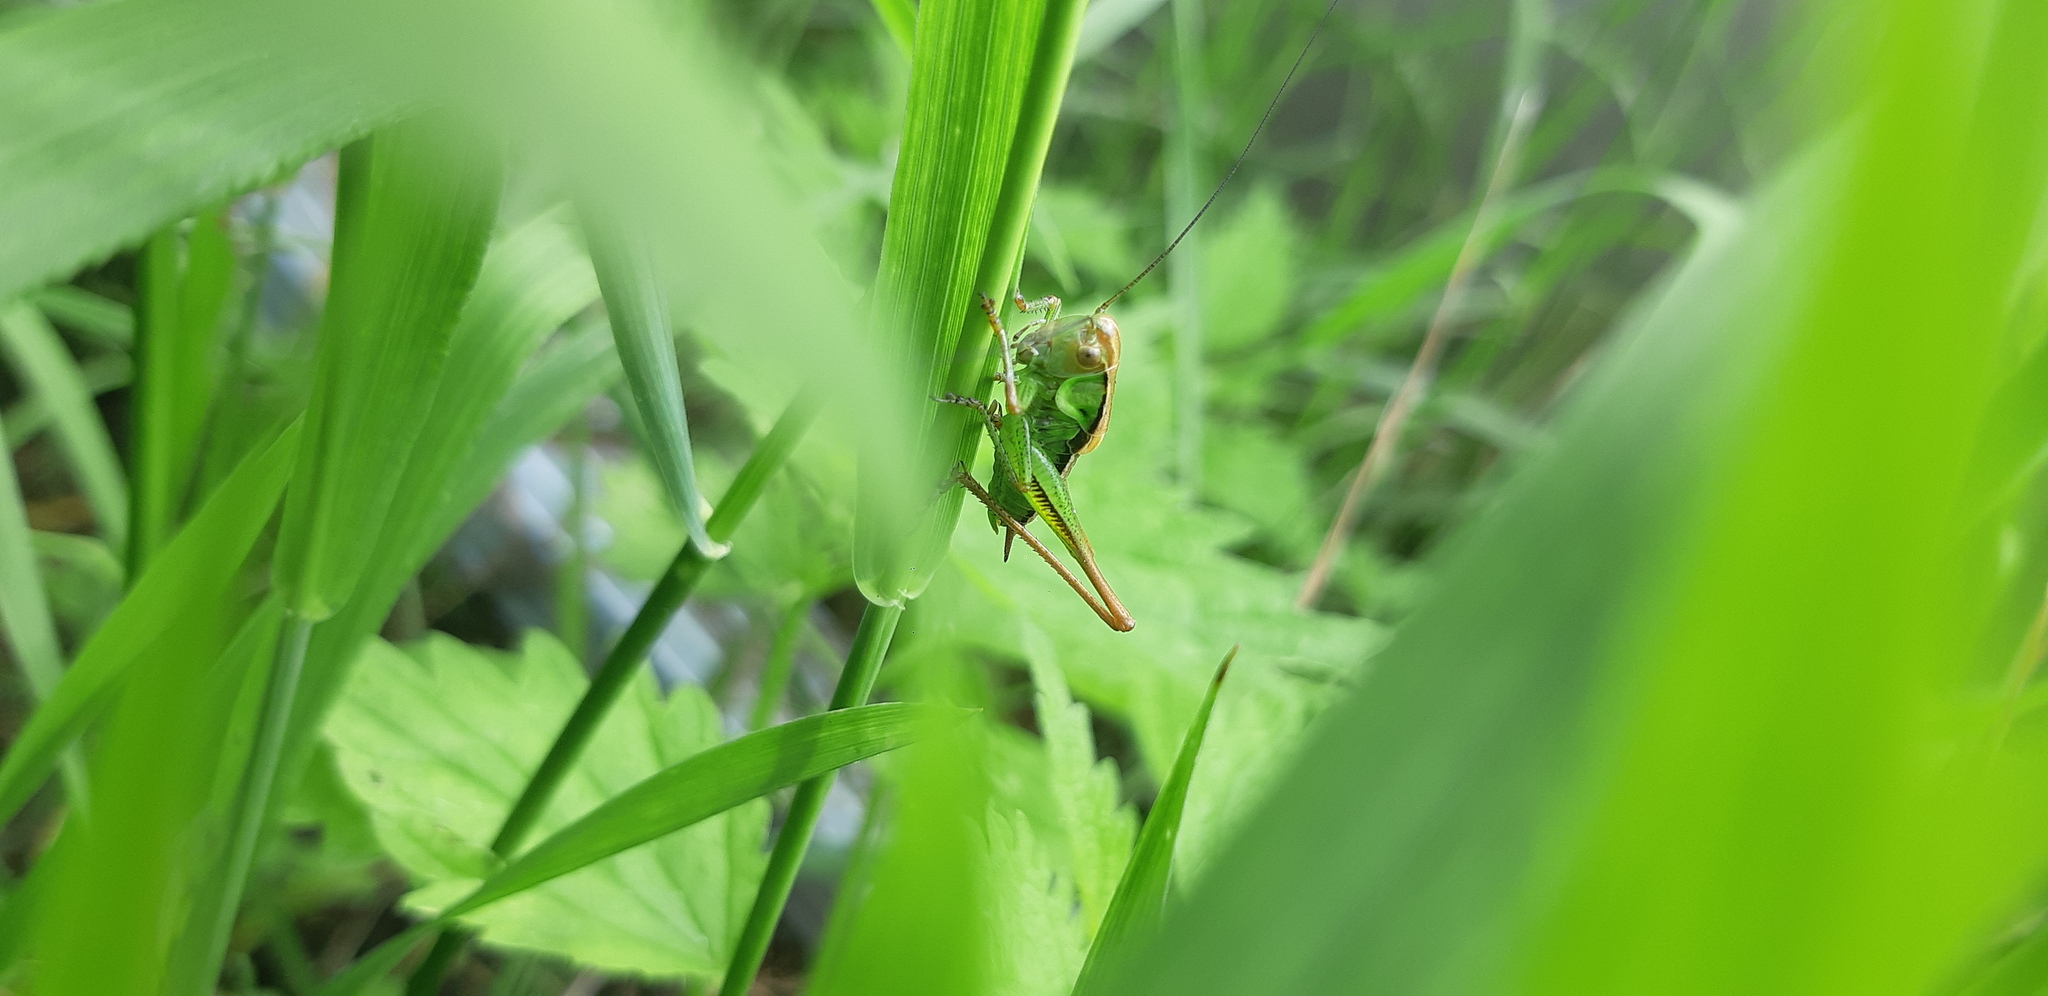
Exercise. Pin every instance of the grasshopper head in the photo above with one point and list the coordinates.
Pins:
(1078, 347)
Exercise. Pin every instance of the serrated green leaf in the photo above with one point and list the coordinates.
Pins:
(413, 217)
(1085, 790)
(588, 891)
(438, 740)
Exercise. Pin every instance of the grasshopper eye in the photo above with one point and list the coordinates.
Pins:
(1090, 356)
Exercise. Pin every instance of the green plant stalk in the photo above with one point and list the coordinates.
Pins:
(572, 612)
(253, 801)
(781, 657)
(623, 662)
(153, 391)
(856, 682)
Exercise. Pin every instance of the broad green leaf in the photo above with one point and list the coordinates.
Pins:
(196, 570)
(413, 217)
(41, 361)
(1135, 910)
(640, 328)
(1249, 262)
(120, 118)
(439, 740)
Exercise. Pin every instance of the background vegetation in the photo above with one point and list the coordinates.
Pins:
(1611, 431)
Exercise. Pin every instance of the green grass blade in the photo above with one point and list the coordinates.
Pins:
(712, 782)
(118, 119)
(196, 568)
(533, 280)
(39, 357)
(700, 787)
(24, 610)
(108, 321)
(176, 369)
(647, 351)
(413, 217)
(1140, 899)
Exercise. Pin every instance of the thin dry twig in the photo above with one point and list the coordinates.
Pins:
(1379, 454)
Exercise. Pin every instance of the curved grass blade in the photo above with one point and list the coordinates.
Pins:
(43, 362)
(699, 788)
(25, 622)
(640, 326)
(104, 319)
(1140, 899)
(196, 568)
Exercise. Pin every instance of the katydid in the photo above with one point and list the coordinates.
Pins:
(1058, 378)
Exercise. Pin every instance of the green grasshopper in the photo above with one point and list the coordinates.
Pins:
(1059, 382)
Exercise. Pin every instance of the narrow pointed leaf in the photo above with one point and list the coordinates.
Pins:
(40, 359)
(196, 568)
(640, 326)
(1140, 899)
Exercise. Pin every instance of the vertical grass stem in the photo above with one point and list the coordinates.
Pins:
(856, 681)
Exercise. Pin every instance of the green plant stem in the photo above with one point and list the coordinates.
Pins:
(856, 681)
(623, 662)
(781, 656)
(254, 799)
(572, 612)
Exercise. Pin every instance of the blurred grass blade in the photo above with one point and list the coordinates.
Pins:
(412, 218)
(197, 568)
(507, 398)
(1140, 899)
(45, 365)
(104, 319)
(25, 622)
(647, 350)
(117, 119)
(696, 789)
(184, 288)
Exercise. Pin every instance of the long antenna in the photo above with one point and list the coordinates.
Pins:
(1263, 118)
